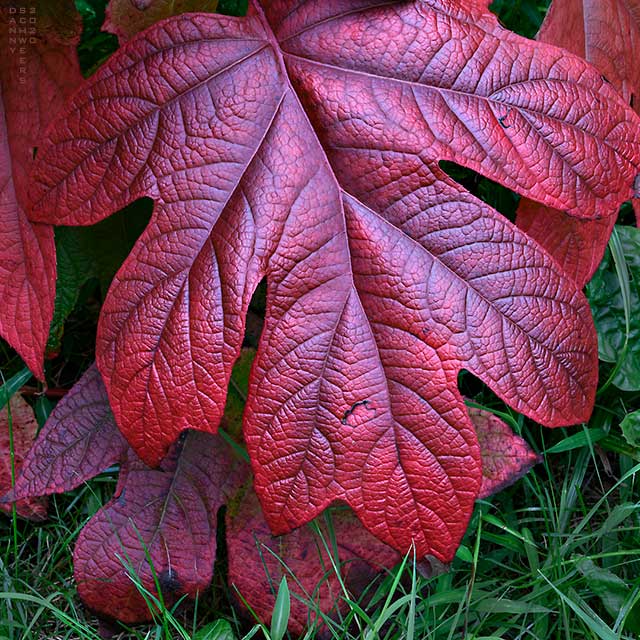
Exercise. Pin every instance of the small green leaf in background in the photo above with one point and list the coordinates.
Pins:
(233, 7)
(237, 394)
(95, 45)
(218, 630)
(96, 252)
(613, 592)
(606, 293)
(281, 610)
(12, 385)
(631, 428)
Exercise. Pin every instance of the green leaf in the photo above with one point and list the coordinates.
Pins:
(12, 385)
(237, 394)
(614, 288)
(218, 630)
(233, 7)
(590, 618)
(578, 440)
(85, 253)
(631, 428)
(281, 610)
(613, 592)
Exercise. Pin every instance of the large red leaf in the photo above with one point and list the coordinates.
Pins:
(18, 428)
(302, 144)
(607, 34)
(38, 69)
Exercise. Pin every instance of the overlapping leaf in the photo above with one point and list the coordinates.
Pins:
(302, 144)
(79, 440)
(506, 457)
(169, 516)
(38, 69)
(607, 34)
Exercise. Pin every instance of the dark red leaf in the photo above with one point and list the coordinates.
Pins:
(37, 71)
(79, 440)
(607, 34)
(125, 18)
(168, 515)
(24, 427)
(257, 562)
(301, 146)
(506, 457)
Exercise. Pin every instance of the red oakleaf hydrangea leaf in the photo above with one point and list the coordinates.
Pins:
(607, 34)
(125, 18)
(506, 457)
(257, 562)
(301, 144)
(24, 427)
(38, 69)
(79, 440)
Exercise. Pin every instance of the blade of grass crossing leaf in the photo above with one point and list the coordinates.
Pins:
(259, 625)
(507, 417)
(383, 616)
(238, 449)
(254, 629)
(590, 618)
(578, 440)
(411, 620)
(330, 552)
(12, 385)
(281, 611)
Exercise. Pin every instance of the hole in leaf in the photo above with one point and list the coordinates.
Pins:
(255, 315)
(233, 7)
(490, 192)
(521, 16)
(88, 258)
(95, 46)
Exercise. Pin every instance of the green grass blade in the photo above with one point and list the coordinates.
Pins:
(281, 611)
